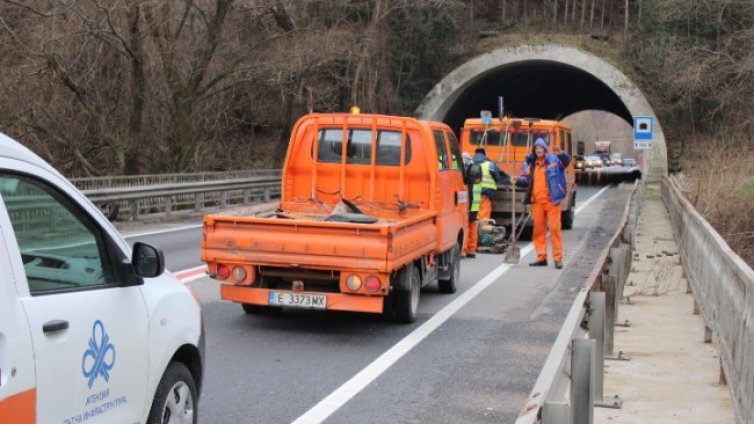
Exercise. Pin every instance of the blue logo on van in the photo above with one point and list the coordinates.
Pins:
(99, 359)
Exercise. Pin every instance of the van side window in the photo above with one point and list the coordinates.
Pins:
(442, 154)
(359, 146)
(61, 248)
(455, 151)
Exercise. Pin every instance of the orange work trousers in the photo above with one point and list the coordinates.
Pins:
(472, 237)
(547, 215)
(485, 209)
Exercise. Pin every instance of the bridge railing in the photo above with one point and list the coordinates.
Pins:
(129, 202)
(723, 286)
(94, 183)
(571, 382)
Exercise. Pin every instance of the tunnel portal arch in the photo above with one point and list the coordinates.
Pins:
(546, 81)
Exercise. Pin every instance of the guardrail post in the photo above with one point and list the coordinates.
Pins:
(556, 413)
(610, 299)
(582, 381)
(707, 334)
(223, 199)
(267, 195)
(134, 210)
(168, 204)
(198, 201)
(247, 196)
(598, 334)
(598, 331)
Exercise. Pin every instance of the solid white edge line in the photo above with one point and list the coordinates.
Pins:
(335, 400)
(170, 230)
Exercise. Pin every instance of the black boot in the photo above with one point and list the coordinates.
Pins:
(543, 262)
(559, 264)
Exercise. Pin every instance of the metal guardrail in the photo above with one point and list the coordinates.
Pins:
(572, 379)
(166, 198)
(93, 183)
(723, 285)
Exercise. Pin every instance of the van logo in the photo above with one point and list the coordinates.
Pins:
(99, 359)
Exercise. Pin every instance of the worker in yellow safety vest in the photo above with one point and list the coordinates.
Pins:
(491, 177)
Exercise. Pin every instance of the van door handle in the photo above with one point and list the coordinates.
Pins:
(55, 325)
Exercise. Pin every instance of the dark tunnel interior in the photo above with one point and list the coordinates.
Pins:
(535, 88)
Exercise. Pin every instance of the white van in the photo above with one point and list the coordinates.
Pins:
(90, 332)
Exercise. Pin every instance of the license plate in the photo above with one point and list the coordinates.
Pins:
(298, 300)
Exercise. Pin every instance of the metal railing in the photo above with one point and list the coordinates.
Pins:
(94, 183)
(571, 382)
(129, 202)
(723, 286)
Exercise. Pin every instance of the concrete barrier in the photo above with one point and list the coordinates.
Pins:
(723, 285)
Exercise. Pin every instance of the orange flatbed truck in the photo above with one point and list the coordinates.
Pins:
(373, 208)
(507, 142)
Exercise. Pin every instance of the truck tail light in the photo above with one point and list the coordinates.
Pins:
(353, 282)
(372, 284)
(222, 271)
(238, 273)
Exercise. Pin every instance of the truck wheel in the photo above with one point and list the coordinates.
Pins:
(259, 309)
(175, 400)
(566, 217)
(449, 285)
(406, 302)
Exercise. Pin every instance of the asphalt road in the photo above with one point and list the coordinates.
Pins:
(471, 357)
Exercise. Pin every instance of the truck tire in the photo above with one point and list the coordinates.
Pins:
(176, 399)
(402, 304)
(566, 217)
(449, 285)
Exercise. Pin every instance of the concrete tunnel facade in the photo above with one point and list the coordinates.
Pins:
(546, 81)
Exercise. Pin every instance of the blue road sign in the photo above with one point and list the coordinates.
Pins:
(643, 132)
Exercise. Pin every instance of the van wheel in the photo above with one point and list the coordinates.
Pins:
(566, 217)
(259, 309)
(175, 400)
(449, 285)
(403, 303)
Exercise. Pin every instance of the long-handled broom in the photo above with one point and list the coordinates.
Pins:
(513, 254)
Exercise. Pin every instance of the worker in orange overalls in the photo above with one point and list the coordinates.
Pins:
(543, 175)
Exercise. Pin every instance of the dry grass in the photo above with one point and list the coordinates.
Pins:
(720, 181)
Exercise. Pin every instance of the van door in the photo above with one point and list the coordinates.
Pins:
(89, 333)
(17, 374)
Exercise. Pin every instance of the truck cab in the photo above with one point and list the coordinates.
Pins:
(90, 330)
(507, 142)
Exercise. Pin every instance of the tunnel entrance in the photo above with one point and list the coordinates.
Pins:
(544, 81)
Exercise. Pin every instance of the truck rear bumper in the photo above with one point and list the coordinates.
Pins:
(335, 301)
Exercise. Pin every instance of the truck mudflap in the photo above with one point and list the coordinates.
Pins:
(307, 300)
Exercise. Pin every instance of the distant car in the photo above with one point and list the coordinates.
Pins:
(594, 161)
(579, 162)
(629, 162)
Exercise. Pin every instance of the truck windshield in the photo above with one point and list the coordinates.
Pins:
(359, 146)
(494, 137)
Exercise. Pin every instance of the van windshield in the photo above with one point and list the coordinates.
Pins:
(496, 137)
(359, 146)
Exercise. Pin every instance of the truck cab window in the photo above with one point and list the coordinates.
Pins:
(359, 146)
(455, 152)
(442, 154)
(61, 248)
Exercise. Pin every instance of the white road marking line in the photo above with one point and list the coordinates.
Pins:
(191, 274)
(335, 400)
